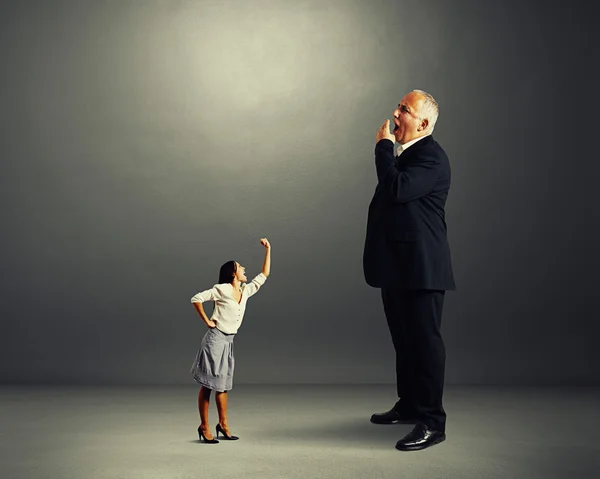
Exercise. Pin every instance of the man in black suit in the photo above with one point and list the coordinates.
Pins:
(407, 255)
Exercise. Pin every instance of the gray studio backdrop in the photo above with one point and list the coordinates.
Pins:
(143, 144)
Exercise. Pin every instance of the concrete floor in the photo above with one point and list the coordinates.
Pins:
(293, 432)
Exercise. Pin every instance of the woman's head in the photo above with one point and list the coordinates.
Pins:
(230, 271)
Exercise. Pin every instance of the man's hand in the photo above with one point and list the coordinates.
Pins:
(211, 324)
(265, 243)
(384, 132)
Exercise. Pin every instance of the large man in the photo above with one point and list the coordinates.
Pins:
(407, 256)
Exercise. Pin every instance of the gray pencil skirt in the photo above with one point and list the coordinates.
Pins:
(214, 364)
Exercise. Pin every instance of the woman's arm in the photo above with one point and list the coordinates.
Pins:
(199, 298)
(202, 313)
(253, 286)
(266, 269)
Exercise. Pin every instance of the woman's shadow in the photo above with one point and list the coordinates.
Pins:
(351, 431)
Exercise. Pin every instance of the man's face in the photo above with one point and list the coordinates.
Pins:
(406, 118)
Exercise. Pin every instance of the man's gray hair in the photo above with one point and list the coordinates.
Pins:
(430, 108)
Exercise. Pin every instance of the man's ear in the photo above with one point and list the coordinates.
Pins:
(424, 125)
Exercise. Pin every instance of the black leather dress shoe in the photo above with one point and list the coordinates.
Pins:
(392, 417)
(419, 438)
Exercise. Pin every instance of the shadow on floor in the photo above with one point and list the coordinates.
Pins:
(352, 430)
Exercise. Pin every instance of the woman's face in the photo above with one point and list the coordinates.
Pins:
(240, 273)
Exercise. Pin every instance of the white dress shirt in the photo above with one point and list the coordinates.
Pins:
(228, 313)
(403, 147)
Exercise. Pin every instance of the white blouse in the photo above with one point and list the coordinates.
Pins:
(228, 313)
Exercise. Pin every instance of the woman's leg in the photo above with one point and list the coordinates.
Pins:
(203, 403)
(222, 409)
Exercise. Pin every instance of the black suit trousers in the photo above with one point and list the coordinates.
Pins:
(414, 319)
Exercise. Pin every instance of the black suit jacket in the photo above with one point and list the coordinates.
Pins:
(406, 244)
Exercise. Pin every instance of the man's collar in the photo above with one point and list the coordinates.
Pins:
(403, 147)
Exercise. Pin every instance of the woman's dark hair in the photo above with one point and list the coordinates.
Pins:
(227, 271)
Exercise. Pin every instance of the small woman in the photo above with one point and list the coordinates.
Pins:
(214, 364)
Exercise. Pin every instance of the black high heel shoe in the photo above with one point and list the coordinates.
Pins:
(229, 438)
(202, 436)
